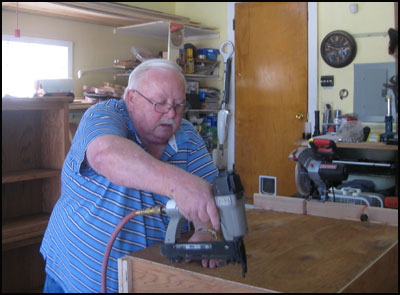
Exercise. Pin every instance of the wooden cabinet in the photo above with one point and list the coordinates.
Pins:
(34, 146)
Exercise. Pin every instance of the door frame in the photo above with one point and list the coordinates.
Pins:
(312, 73)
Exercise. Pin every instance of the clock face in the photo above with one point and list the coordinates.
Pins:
(177, 38)
(338, 49)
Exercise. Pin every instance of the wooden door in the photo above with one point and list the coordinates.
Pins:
(271, 88)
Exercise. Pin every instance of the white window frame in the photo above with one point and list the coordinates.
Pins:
(67, 44)
(43, 41)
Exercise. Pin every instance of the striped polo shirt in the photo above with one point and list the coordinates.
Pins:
(91, 206)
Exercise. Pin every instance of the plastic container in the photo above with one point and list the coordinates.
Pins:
(210, 53)
(202, 95)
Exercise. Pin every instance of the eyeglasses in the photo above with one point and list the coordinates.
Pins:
(163, 107)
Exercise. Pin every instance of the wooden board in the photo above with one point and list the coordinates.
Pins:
(286, 253)
(326, 209)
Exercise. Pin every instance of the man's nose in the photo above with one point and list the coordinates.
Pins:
(171, 112)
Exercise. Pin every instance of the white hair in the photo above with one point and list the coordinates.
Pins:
(156, 63)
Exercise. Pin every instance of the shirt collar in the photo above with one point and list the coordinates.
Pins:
(177, 140)
(172, 143)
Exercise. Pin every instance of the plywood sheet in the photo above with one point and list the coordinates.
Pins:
(285, 252)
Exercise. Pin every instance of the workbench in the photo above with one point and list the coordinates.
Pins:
(289, 251)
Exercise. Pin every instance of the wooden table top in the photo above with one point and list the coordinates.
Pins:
(292, 253)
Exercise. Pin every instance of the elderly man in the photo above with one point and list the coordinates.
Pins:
(128, 155)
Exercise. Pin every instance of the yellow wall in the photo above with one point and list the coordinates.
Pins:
(371, 17)
(212, 14)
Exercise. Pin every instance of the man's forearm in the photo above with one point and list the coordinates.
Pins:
(125, 163)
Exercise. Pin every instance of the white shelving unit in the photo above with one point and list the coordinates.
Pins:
(189, 77)
(160, 30)
(195, 77)
(204, 111)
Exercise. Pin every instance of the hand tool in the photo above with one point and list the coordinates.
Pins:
(392, 137)
(230, 200)
(316, 126)
(223, 113)
(388, 120)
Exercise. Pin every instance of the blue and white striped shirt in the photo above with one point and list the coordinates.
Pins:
(91, 206)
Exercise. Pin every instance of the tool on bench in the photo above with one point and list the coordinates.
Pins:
(223, 113)
(230, 200)
(315, 172)
(389, 136)
(318, 171)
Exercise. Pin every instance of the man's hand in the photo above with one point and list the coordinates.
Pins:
(194, 198)
(204, 236)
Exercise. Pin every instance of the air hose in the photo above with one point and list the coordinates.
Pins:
(148, 211)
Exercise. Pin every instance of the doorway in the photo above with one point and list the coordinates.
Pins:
(271, 88)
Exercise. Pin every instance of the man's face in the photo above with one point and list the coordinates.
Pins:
(159, 86)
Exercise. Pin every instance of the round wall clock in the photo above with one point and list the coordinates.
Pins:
(338, 49)
(177, 38)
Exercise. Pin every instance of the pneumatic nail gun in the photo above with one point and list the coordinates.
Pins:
(230, 200)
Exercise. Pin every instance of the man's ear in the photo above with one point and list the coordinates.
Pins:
(129, 97)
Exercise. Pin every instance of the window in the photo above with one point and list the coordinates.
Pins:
(25, 60)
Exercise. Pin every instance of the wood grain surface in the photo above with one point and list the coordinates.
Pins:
(285, 252)
(270, 90)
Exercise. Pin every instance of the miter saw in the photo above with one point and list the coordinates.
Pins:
(315, 172)
(230, 200)
(318, 172)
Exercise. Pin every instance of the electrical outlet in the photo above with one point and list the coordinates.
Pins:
(327, 81)
(267, 185)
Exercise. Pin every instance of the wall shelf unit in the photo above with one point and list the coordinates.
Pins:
(175, 34)
(160, 29)
(34, 146)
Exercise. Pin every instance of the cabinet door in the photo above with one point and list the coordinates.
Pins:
(271, 88)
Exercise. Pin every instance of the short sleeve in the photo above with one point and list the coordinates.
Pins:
(98, 120)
